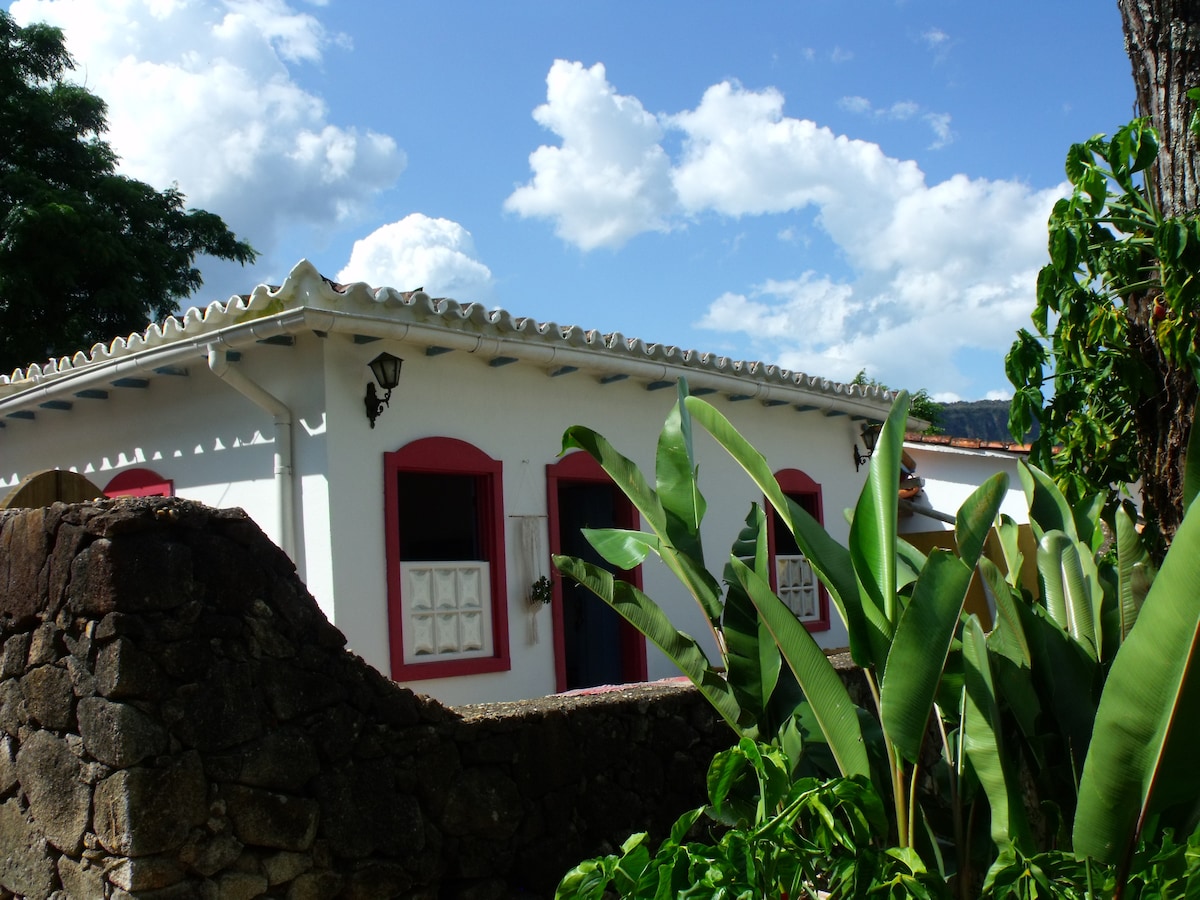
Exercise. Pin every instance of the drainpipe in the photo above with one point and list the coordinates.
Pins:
(218, 361)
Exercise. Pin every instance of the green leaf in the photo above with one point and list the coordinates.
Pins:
(919, 650)
(752, 657)
(1010, 545)
(873, 532)
(628, 477)
(976, 517)
(1149, 713)
(1048, 508)
(675, 471)
(983, 745)
(1191, 467)
(1008, 635)
(648, 618)
(835, 712)
(1071, 589)
(829, 559)
(623, 548)
(1134, 571)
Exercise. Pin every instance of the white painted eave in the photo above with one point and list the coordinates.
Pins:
(307, 302)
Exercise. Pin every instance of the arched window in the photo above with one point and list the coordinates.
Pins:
(792, 578)
(447, 588)
(139, 483)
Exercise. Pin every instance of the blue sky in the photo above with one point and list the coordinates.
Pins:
(830, 185)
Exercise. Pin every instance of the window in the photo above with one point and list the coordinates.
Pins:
(139, 483)
(792, 578)
(447, 589)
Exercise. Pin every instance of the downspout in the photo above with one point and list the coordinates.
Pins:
(218, 361)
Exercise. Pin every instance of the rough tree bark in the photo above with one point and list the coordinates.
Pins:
(1162, 38)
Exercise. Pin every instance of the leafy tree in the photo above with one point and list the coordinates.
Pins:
(922, 406)
(1116, 306)
(85, 253)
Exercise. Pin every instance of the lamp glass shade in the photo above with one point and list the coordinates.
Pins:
(386, 369)
(870, 434)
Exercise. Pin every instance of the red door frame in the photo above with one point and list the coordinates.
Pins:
(580, 467)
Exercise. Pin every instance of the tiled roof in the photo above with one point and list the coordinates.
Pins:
(306, 301)
(962, 443)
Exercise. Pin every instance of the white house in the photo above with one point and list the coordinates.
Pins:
(422, 533)
(950, 469)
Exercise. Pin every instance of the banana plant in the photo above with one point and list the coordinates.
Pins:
(901, 610)
(747, 685)
(1142, 762)
(901, 638)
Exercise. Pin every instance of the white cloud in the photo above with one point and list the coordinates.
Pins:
(902, 111)
(201, 94)
(935, 37)
(608, 181)
(998, 395)
(419, 251)
(939, 271)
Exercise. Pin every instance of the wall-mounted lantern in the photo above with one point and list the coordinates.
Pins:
(870, 434)
(386, 369)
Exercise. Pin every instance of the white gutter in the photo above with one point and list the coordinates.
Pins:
(218, 362)
(552, 354)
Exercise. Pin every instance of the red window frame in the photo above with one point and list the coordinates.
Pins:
(798, 485)
(448, 456)
(139, 483)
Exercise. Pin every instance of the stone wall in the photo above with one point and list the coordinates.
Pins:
(179, 720)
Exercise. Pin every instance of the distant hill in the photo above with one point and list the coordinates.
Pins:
(986, 420)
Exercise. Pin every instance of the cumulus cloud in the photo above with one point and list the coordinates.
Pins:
(609, 178)
(202, 94)
(419, 251)
(938, 270)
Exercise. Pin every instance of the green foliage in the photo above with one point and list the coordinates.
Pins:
(763, 834)
(1106, 646)
(921, 405)
(85, 254)
(1119, 273)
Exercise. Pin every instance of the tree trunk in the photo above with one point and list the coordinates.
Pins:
(1162, 38)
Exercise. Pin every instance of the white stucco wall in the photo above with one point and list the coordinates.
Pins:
(218, 448)
(517, 413)
(951, 474)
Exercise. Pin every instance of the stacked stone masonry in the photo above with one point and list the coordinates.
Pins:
(178, 720)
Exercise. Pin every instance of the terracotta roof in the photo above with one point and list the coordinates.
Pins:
(963, 443)
(306, 301)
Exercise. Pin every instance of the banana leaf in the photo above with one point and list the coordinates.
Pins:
(648, 618)
(873, 534)
(976, 517)
(835, 712)
(1048, 508)
(1191, 466)
(1071, 589)
(919, 650)
(1011, 658)
(1143, 759)
(1135, 570)
(675, 475)
(753, 659)
(1010, 545)
(982, 743)
(829, 559)
(626, 475)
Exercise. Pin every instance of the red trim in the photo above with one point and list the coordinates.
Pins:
(449, 456)
(581, 467)
(797, 484)
(139, 483)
